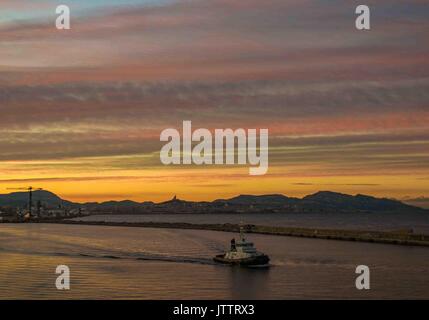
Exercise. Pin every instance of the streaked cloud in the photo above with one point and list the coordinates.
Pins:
(339, 103)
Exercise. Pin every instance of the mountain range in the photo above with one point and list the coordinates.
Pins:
(319, 202)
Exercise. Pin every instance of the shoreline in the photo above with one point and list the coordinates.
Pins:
(383, 237)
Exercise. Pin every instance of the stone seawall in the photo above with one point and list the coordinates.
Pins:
(398, 238)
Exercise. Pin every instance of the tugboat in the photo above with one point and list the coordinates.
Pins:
(243, 253)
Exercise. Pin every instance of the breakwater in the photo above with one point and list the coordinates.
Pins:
(396, 237)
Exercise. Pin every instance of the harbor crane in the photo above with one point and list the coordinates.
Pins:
(30, 190)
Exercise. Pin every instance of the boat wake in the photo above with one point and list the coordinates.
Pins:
(139, 257)
(177, 259)
(89, 252)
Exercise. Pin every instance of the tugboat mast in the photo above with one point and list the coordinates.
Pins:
(242, 238)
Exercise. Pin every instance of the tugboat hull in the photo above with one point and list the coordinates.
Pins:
(261, 260)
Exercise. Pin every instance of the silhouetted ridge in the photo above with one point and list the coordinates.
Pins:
(261, 199)
(20, 199)
(360, 202)
(319, 202)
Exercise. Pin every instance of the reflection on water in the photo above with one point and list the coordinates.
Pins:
(249, 283)
(144, 263)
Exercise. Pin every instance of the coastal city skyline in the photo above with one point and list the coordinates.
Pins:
(82, 109)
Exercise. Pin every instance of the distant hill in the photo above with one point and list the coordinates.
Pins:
(322, 201)
(20, 199)
(269, 199)
(328, 200)
(319, 202)
(422, 202)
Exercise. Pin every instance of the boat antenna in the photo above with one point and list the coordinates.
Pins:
(242, 238)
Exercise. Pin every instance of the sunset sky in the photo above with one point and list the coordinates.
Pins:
(82, 109)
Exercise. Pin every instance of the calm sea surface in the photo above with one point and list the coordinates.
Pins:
(145, 263)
